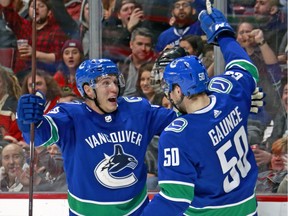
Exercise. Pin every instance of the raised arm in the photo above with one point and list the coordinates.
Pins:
(66, 22)
(219, 32)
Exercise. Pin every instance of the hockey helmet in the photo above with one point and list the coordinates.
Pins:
(89, 70)
(189, 73)
(167, 56)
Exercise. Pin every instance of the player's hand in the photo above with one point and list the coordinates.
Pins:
(257, 100)
(30, 110)
(213, 24)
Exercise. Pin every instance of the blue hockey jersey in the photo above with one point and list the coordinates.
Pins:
(173, 35)
(205, 164)
(104, 154)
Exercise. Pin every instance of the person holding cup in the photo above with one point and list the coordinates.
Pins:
(50, 37)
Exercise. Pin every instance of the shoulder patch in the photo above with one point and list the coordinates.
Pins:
(177, 125)
(220, 85)
(132, 99)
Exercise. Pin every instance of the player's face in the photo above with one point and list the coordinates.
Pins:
(177, 98)
(40, 84)
(12, 160)
(107, 92)
(145, 83)
(71, 57)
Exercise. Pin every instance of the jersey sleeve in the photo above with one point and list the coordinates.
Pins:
(55, 123)
(160, 118)
(175, 175)
(236, 57)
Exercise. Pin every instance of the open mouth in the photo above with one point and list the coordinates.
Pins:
(113, 100)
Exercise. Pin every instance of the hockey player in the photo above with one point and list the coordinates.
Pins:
(103, 140)
(206, 166)
(170, 54)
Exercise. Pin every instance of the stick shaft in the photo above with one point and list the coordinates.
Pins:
(32, 128)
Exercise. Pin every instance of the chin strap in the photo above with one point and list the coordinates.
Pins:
(174, 105)
(96, 101)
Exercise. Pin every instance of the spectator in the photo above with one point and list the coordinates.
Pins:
(51, 176)
(12, 157)
(68, 97)
(50, 37)
(283, 187)
(7, 37)
(117, 33)
(10, 91)
(185, 23)
(269, 181)
(272, 21)
(21, 6)
(263, 153)
(72, 56)
(141, 47)
(84, 27)
(108, 7)
(193, 44)
(283, 184)
(144, 85)
(73, 8)
(283, 51)
(252, 40)
(65, 18)
(45, 83)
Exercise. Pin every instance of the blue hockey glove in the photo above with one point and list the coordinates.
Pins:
(213, 24)
(257, 100)
(30, 110)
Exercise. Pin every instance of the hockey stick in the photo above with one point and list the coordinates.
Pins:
(32, 128)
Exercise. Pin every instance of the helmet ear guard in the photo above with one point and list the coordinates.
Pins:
(187, 72)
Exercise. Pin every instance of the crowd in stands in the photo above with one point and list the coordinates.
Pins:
(134, 34)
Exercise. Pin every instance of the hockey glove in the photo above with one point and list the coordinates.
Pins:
(257, 100)
(213, 24)
(30, 110)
